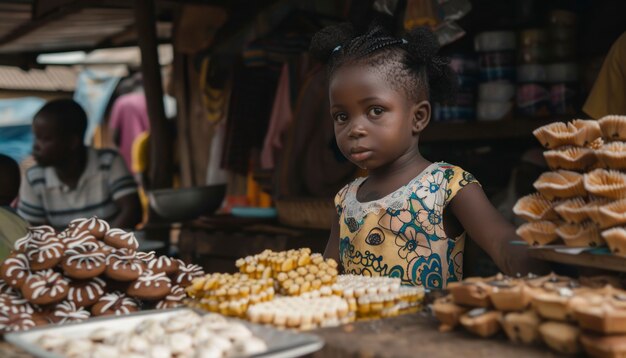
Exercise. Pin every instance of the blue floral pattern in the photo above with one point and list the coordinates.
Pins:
(406, 238)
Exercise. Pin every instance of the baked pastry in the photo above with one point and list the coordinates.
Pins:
(96, 227)
(150, 286)
(601, 281)
(187, 273)
(121, 239)
(482, 322)
(115, 303)
(570, 158)
(85, 293)
(534, 207)
(602, 313)
(616, 240)
(163, 264)
(510, 295)
(84, 261)
(79, 239)
(15, 269)
(554, 304)
(560, 184)
(561, 337)
(67, 312)
(473, 291)
(10, 322)
(146, 257)
(448, 313)
(173, 299)
(522, 327)
(613, 127)
(12, 302)
(45, 287)
(606, 183)
(580, 235)
(45, 255)
(123, 265)
(604, 346)
(538, 233)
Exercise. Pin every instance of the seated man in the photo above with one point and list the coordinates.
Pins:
(12, 227)
(72, 181)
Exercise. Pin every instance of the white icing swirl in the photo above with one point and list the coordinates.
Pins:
(47, 283)
(128, 238)
(159, 263)
(94, 288)
(148, 278)
(49, 251)
(146, 256)
(18, 322)
(100, 226)
(13, 303)
(16, 268)
(188, 272)
(68, 312)
(85, 259)
(119, 302)
(124, 260)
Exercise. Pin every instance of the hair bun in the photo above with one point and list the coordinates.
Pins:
(328, 38)
(422, 44)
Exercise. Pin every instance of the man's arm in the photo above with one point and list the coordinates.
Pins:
(129, 212)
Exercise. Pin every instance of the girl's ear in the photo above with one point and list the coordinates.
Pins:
(421, 116)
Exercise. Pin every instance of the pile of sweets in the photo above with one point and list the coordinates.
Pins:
(582, 201)
(378, 297)
(568, 315)
(184, 335)
(301, 312)
(86, 270)
(229, 294)
(295, 271)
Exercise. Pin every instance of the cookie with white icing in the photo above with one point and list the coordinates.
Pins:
(45, 287)
(187, 273)
(67, 312)
(15, 270)
(173, 299)
(45, 253)
(15, 322)
(77, 239)
(13, 302)
(94, 226)
(115, 303)
(150, 286)
(84, 261)
(85, 293)
(164, 264)
(123, 265)
(121, 239)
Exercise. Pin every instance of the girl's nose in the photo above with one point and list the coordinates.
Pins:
(357, 130)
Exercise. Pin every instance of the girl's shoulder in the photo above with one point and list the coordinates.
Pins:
(446, 178)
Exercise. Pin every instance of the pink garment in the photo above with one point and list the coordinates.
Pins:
(279, 121)
(129, 117)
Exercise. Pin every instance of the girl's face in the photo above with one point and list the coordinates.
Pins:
(375, 124)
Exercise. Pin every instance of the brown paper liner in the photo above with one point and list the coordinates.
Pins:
(606, 183)
(586, 131)
(538, 233)
(592, 208)
(611, 214)
(554, 135)
(572, 210)
(534, 207)
(560, 184)
(612, 155)
(616, 240)
(613, 127)
(596, 144)
(580, 235)
(570, 158)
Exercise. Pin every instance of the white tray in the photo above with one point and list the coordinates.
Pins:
(280, 344)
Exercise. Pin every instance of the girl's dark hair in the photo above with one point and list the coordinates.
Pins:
(410, 62)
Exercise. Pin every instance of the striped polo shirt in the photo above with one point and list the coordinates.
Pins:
(45, 199)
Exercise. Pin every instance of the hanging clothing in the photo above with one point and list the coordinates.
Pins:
(129, 118)
(279, 121)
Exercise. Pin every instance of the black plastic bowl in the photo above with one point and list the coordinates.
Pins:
(187, 203)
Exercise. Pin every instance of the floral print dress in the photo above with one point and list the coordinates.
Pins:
(402, 234)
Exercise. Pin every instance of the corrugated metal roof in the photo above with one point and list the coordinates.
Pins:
(52, 78)
(13, 15)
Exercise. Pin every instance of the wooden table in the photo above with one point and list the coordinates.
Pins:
(415, 335)
(585, 259)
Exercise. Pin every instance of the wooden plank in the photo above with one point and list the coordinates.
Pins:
(518, 128)
(605, 262)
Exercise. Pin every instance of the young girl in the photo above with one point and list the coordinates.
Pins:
(408, 218)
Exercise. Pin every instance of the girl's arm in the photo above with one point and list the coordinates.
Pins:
(332, 248)
(492, 232)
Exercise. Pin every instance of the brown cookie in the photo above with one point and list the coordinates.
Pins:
(84, 261)
(67, 312)
(15, 270)
(41, 230)
(122, 265)
(45, 287)
(115, 303)
(94, 226)
(186, 274)
(163, 264)
(10, 322)
(4, 287)
(46, 254)
(106, 248)
(121, 239)
(85, 293)
(14, 303)
(79, 239)
(150, 286)
(173, 299)
(21, 244)
(146, 257)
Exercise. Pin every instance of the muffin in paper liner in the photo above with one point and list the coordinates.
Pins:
(580, 235)
(606, 183)
(572, 210)
(613, 127)
(560, 184)
(570, 158)
(534, 207)
(612, 155)
(611, 214)
(538, 233)
(577, 133)
(616, 240)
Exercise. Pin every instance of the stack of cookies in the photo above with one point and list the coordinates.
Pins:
(567, 315)
(86, 270)
(582, 201)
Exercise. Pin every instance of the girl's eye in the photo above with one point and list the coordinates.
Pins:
(341, 117)
(376, 111)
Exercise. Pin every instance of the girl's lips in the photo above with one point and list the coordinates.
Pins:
(361, 155)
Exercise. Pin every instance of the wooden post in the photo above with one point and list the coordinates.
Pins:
(160, 168)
